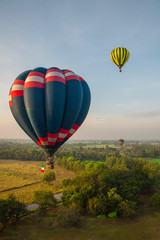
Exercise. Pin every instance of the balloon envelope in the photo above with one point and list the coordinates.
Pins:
(119, 57)
(121, 142)
(49, 105)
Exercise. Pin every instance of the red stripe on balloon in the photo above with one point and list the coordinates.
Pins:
(60, 139)
(69, 135)
(10, 103)
(64, 131)
(34, 84)
(17, 93)
(54, 70)
(39, 143)
(51, 143)
(38, 74)
(55, 78)
(10, 98)
(66, 71)
(75, 127)
(52, 135)
(81, 79)
(45, 139)
(72, 77)
(19, 82)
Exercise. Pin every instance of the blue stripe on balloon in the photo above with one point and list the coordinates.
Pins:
(55, 96)
(85, 104)
(20, 115)
(35, 107)
(34, 102)
(84, 107)
(74, 97)
(19, 112)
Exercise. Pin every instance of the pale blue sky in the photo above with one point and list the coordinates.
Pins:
(79, 35)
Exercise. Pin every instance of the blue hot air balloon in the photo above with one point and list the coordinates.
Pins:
(49, 105)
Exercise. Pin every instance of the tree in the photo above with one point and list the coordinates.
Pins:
(11, 210)
(48, 177)
(45, 198)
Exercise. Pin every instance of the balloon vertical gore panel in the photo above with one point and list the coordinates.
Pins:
(49, 105)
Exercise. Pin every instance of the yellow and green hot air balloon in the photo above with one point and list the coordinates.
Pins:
(120, 56)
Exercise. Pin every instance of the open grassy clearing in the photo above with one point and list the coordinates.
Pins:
(15, 181)
(24, 169)
(156, 160)
(37, 227)
(22, 178)
(98, 146)
(95, 146)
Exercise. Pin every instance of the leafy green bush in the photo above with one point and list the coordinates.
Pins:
(50, 221)
(69, 217)
(45, 198)
(97, 205)
(66, 197)
(89, 165)
(112, 214)
(48, 177)
(81, 196)
(38, 220)
(101, 217)
(127, 209)
(91, 219)
(11, 234)
(11, 210)
(113, 199)
(155, 200)
(66, 182)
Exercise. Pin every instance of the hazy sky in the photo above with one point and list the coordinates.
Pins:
(79, 35)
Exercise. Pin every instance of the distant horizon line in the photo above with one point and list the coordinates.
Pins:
(78, 140)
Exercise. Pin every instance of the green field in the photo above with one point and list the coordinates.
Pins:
(24, 177)
(155, 160)
(99, 146)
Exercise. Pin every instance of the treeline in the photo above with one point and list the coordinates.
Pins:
(84, 153)
(111, 160)
(31, 151)
(145, 151)
(10, 150)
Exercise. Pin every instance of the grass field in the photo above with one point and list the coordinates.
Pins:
(96, 146)
(99, 146)
(24, 177)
